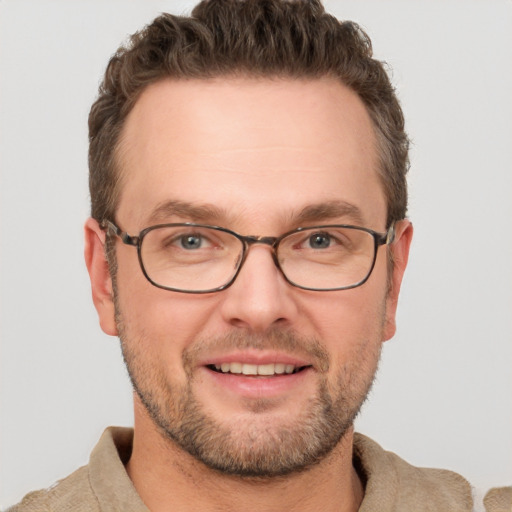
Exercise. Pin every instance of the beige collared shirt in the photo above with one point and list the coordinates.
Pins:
(392, 485)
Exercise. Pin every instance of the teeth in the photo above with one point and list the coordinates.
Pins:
(249, 369)
(266, 369)
(279, 368)
(256, 369)
(235, 368)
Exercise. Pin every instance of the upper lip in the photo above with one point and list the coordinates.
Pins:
(257, 357)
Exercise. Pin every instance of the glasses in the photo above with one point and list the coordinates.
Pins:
(196, 258)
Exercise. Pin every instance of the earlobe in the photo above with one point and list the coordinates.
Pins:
(400, 253)
(101, 282)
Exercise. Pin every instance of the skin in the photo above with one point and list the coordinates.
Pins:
(260, 151)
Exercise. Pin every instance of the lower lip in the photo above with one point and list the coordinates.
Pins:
(257, 386)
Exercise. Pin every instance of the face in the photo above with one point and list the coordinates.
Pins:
(260, 157)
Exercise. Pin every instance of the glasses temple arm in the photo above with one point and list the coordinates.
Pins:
(123, 235)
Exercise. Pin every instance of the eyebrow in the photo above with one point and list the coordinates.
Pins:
(335, 209)
(208, 213)
(201, 213)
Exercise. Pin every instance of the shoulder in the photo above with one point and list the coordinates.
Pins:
(394, 484)
(71, 493)
(102, 484)
(498, 499)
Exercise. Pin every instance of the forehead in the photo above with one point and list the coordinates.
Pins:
(259, 148)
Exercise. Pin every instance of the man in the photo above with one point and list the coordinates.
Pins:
(247, 244)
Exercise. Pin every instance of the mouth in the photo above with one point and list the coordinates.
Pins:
(257, 370)
(257, 375)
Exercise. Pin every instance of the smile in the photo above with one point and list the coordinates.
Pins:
(266, 370)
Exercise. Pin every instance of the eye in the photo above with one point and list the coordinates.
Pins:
(191, 241)
(320, 241)
(185, 241)
(324, 241)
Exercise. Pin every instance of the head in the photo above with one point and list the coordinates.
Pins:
(259, 117)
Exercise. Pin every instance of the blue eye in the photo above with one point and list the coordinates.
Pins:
(191, 241)
(319, 241)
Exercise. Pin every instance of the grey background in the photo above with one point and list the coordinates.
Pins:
(443, 393)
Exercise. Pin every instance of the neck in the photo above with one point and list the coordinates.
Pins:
(164, 474)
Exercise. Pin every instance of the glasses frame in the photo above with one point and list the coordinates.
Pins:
(379, 239)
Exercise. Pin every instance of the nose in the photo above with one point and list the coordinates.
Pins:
(260, 297)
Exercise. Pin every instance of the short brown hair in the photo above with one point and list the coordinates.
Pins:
(257, 38)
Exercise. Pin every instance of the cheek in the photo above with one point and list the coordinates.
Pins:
(350, 321)
(161, 322)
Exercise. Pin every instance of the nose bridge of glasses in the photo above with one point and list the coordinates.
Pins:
(266, 240)
(271, 241)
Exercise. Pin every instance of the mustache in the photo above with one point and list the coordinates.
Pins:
(287, 341)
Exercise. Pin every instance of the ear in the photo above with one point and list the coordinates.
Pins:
(400, 254)
(101, 283)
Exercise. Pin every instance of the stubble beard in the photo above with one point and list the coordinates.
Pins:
(256, 447)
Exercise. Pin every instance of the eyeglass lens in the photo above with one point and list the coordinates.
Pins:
(193, 258)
